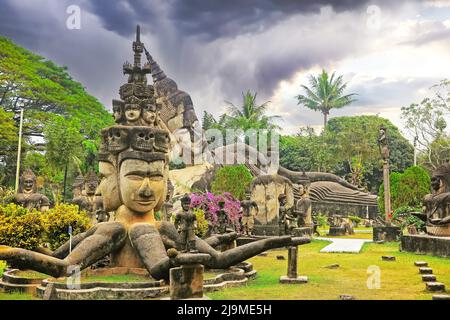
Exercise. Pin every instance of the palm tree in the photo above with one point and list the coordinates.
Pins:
(250, 115)
(324, 94)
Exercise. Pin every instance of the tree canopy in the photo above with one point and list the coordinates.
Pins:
(51, 99)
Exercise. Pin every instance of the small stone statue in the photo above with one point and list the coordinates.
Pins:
(303, 208)
(222, 218)
(86, 200)
(27, 196)
(186, 223)
(383, 143)
(248, 220)
(286, 220)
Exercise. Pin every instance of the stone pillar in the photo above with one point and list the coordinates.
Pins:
(292, 262)
(387, 192)
(186, 282)
(292, 276)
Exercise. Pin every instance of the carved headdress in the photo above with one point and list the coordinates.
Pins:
(443, 172)
(134, 139)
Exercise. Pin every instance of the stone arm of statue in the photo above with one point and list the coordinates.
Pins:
(255, 205)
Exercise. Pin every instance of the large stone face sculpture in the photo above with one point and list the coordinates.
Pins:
(27, 196)
(133, 161)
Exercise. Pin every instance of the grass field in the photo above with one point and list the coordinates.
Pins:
(399, 279)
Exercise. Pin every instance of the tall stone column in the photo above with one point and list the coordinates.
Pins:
(387, 192)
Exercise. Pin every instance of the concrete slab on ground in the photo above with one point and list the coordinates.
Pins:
(340, 245)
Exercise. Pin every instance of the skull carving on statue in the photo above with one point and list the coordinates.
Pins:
(117, 139)
(143, 139)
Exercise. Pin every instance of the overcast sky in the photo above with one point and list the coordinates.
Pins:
(390, 52)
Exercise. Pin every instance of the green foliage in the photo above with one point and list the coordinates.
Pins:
(58, 220)
(6, 195)
(232, 179)
(355, 219)
(321, 219)
(174, 165)
(325, 93)
(2, 267)
(407, 188)
(202, 223)
(427, 123)
(403, 217)
(43, 90)
(20, 227)
(26, 229)
(348, 148)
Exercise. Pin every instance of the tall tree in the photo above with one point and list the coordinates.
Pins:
(325, 93)
(427, 123)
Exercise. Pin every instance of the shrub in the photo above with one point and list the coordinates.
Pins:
(2, 267)
(20, 227)
(321, 219)
(355, 219)
(209, 204)
(58, 220)
(202, 223)
(6, 195)
(232, 179)
(407, 188)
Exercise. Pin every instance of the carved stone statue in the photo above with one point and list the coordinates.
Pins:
(77, 186)
(222, 219)
(286, 219)
(436, 206)
(27, 196)
(248, 207)
(186, 223)
(303, 207)
(86, 200)
(383, 143)
(133, 161)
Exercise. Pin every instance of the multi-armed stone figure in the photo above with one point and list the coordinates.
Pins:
(133, 161)
(27, 196)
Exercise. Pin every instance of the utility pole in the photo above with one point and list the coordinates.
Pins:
(415, 150)
(19, 150)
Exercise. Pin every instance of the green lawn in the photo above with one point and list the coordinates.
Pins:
(399, 279)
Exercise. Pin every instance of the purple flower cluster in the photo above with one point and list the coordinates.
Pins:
(209, 203)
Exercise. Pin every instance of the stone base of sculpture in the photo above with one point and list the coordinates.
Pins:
(299, 279)
(426, 244)
(336, 231)
(303, 232)
(186, 282)
(386, 233)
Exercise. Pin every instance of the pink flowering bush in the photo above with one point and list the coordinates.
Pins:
(209, 203)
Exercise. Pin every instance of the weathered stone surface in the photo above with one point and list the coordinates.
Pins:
(49, 293)
(265, 191)
(426, 244)
(336, 231)
(386, 233)
(435, 286)
(421, 263)
(292, 262)
(186, 282)
(425, 270)
(287, 280)
(428, 278)
(388, 258)
(346, 297)
(27, 196)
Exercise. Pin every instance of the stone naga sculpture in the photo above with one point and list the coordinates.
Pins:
(133, 161)
(27, 196)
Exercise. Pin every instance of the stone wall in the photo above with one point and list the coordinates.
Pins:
(345, 209)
